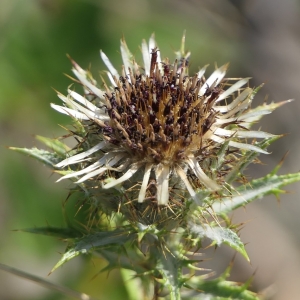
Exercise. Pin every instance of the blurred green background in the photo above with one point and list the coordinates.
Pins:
(259, 39)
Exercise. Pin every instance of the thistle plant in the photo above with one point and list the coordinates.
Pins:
(159, 161)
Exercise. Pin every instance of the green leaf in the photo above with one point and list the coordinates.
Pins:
(219, 235)
(169, 267)
(256, 189)
(95, 241)
(46, 157)
(57, 146)
(65, 233)
(132, 260)
(217, 162)
(219, 289)
(248, 158)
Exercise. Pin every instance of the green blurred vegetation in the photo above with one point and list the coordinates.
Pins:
(35, 36)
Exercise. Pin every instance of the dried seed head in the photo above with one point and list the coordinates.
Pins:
(159, 127)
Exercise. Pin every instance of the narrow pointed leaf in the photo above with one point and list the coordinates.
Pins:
(219, 289)
(131, 261)
(46, 157)
(57, 146)
(219, 235)
(169, 267)
(93, 241)
(256, 189)
(64, 233)
(248, 158)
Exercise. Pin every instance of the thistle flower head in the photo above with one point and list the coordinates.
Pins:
(155, 129)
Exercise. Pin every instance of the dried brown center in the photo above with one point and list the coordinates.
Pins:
(160, 117)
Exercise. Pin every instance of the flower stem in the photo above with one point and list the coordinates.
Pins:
(132, 285)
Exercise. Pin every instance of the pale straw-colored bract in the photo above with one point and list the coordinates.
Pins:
(158, 121)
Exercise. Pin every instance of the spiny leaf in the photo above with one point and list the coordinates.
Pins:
(132, 260)
(169, 267)
(93, 241)
(256, 189)
(46, 157)
(219, 289)
(217, 162)
(219, 235)
(56, 145)
(248, 158)
(65, 233)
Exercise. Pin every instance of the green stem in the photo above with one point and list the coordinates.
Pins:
(175, 295)
(133, 285)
